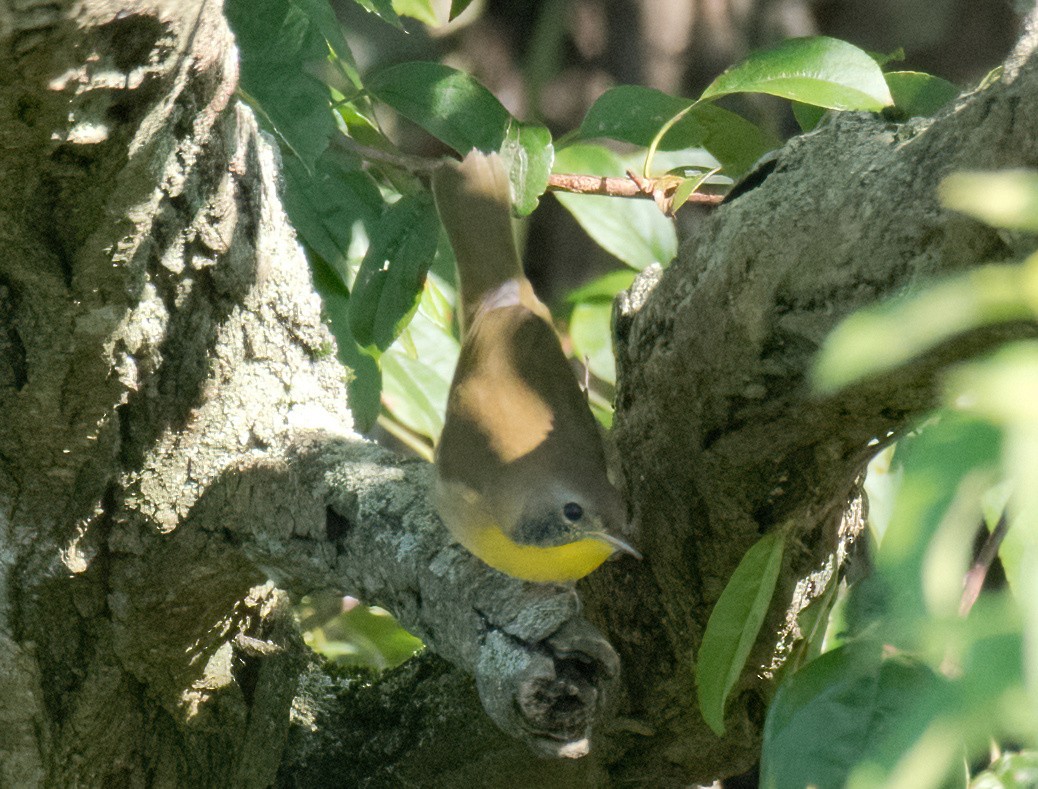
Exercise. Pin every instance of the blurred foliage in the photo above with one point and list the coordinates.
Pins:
(348, 632)
(895, 685)
(932, 674)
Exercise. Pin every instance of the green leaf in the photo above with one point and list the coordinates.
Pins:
(924, 553)
(447, 103)
(592, 338)
(528, 154)
(382, 9)
(1005, 198)
(917, 94)
(690, 185)
(807, 115)
(415, 391)
(819, 70)
(457, 7)
(364, 636)
(280, 46)
(633, 230)
(1001, 387)
(326, 204)
(422, 10)
(846, 709)
(634, 114)
(323, 18)
(1010, 771)
(880, 339)
(389, 283)
(604, 288)
(418, 379)
(364, 383)
(733, 626)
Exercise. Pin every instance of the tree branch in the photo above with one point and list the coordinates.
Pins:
(721, 434)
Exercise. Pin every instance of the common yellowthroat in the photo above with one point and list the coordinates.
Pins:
(521, 473)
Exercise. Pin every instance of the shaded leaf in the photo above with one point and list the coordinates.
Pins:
(633, 230)
(280, 47)
(326, 203)
(734, 624)
(364, 383)
(917, 94)
(846, 708)
(323, 17)
(634, 114)
(457, 7)
(948, 461)
(389, 282)
(808, 116)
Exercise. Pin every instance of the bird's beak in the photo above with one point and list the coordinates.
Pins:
(618, 544)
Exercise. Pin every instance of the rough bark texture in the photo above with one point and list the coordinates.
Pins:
(175, 434)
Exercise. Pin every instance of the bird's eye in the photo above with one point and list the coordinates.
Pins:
(573, 511)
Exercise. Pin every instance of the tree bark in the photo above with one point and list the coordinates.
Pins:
(175, 434)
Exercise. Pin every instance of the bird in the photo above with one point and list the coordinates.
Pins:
(520, 471)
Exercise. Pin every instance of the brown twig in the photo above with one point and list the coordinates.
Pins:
(978, 571)
(413, 164)
(616, 187)
(631, 186)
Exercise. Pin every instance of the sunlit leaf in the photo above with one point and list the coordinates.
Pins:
(592, 339)
(528, 155)
(364, 636)
(1013, 770)
(633, 230)
(604, 288)
(1004, 198)
(449, 104)
(383, 9)
(818, 70)
(879, 339)
(734, 624)
(422, 10)
(416, 386)
(1001, 387)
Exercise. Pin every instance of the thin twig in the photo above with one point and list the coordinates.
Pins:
(407, 437)
(615, 187)
(978, 571)
(413, 164)
(631, 186)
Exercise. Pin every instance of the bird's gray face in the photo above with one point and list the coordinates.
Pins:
(556, 517)
(554, 524)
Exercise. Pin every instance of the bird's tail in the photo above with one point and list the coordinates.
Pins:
(473, 199)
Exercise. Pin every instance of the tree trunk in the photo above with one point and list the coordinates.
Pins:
(175, 434)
